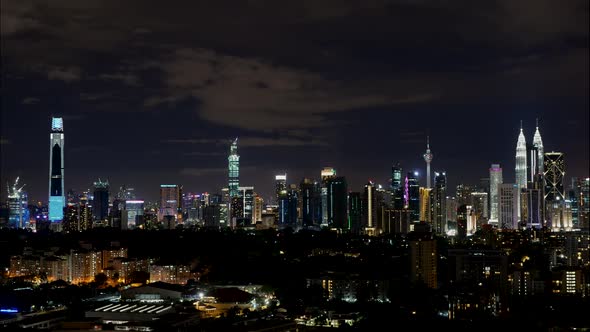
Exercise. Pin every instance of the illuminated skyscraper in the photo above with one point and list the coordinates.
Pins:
(426, 205)
(521, 163)
(18, 213)
(428, 159)
(234, 169)
(397, 187)
(538, 143)
(369, 209)
(280, 186)
(412, 195)
(554, 171)
(495, 180)
(440, 202)
(57, 199)
(326, 174)
(311, 203)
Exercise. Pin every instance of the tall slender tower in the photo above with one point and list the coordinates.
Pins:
(57, 198)
(428, 158)
(521, 166)
(538, 143)
(234, 169)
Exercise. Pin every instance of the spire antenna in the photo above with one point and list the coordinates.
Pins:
(537, 122)
(521, 125)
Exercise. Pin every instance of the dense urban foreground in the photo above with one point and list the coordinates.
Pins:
(280, 280)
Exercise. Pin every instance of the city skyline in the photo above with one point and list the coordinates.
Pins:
(304, 86)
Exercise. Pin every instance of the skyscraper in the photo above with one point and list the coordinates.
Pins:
(440, 202)
(18, 211)
(508, 199)
(326, 174)
(234, 169)
(428, 159)
(412, 196)
(495, 181)
(310, 202)
(57, 199)
(280, 186)
(538, 143)
(521, 162)
(169, 200)
(554, 171)
(397, 187)
(369, 208)
(100, 202)
(337, 194)
(354, 211)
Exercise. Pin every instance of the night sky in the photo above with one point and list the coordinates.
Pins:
(152, 92)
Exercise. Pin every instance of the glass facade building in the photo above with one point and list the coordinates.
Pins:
(57, 199)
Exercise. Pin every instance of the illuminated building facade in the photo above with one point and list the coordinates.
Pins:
(428, 156)
(397, 187)
(369, 209)
(412, 195)
(132, 215)
(57, 199)
(439, 214)
(426, 205)
(326, 174)
(280, 186)
(495, 180)
(18, 211)
(554, 173)
(234, 169)
(538, 166)
(521, 161)
(423, 259)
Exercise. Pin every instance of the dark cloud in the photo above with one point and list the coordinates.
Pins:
(30, 101)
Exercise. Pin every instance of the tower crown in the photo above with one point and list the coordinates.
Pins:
(428, 156)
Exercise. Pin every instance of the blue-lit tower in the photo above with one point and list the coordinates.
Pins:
(57, 199)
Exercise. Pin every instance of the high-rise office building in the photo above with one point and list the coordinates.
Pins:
(521, 161)
(337, 195)
(538, 166)
(326, 174)
(397, 187)
(426, 205)
(554, 172)
(355, 214)
(412, 195)
(247, 196)
(508, 199)
(479, 203)
(234, 169)
(495, 180)
(169, 201)
(534, 207)
(57, 199)
(428, 156)
(18, 210)
(310, 202)
(132, 214)
(280, 186)
(439, 202)
(258, 204)
(100, 201)
(369, 209)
